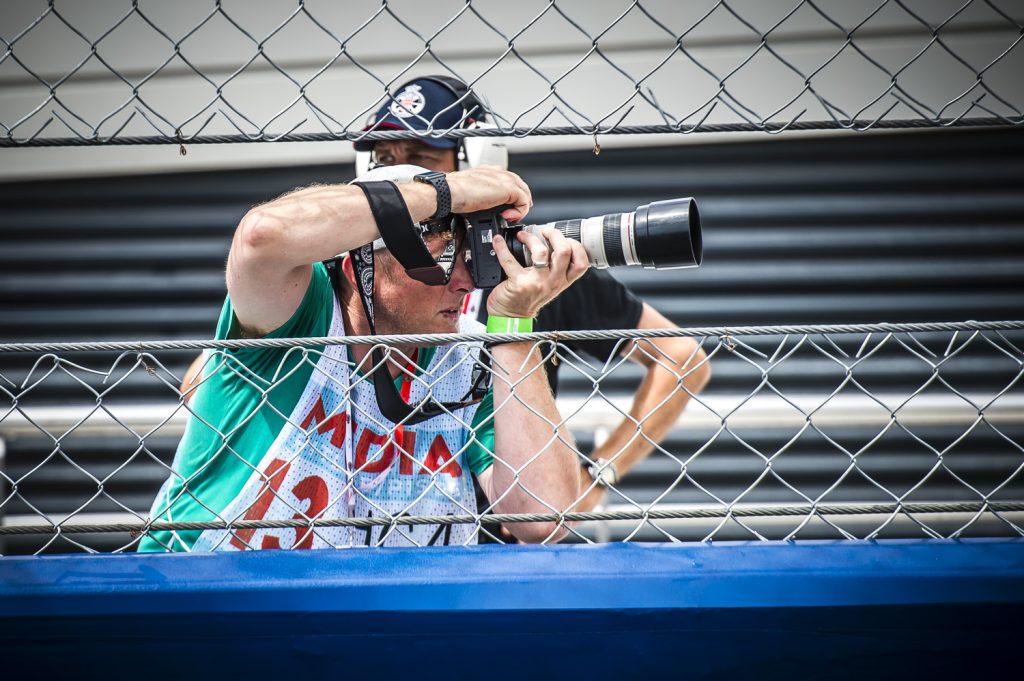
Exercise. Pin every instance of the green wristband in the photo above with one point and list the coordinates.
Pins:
(496, 324)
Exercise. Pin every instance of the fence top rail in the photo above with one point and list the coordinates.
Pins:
(854, 125)
(723, 332)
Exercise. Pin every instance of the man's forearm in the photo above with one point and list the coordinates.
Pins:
(656, 407)
(676, 369)
(536, 469)
(316, 223)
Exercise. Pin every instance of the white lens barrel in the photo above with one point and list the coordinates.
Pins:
(659, 235)
(607, 239)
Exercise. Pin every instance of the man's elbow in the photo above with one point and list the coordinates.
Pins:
(259, 233)
(549, 532)
(692, 365)
(697, 372)
(562, 499)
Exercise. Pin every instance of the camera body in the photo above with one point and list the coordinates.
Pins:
(659, 235)
(479, 251)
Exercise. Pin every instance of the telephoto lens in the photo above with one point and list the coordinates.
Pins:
(660, 235)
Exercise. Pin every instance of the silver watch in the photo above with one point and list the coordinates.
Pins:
(603, 472)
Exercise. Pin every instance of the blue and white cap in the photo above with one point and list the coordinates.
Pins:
(423, 104)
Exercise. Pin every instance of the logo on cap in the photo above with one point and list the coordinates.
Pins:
(409, 102)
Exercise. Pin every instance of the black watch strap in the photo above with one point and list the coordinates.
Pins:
(444, 195)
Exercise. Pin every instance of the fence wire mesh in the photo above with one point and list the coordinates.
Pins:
(200, 72)
(912, 430)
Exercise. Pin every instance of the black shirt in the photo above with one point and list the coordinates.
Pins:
(597, 301)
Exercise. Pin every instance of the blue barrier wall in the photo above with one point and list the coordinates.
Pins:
(865, 610)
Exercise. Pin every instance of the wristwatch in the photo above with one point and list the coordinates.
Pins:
(444, 195)
(603, 472)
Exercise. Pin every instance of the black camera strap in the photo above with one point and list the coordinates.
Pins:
(389, 400)
(402, 237)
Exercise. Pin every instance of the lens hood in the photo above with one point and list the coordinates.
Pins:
(667, 234)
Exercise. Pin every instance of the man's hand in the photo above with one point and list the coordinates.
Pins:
(528, 289)
(489, 186)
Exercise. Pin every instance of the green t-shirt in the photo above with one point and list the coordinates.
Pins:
(241, 407)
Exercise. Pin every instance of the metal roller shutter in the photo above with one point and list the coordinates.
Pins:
(901, 227)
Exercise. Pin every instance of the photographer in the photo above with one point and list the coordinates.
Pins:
(674, 368)
(282, 434)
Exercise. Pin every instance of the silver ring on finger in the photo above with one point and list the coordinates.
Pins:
(540, 265)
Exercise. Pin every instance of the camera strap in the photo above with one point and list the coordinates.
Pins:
(389, 400)
(402, 237)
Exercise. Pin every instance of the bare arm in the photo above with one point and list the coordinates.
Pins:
(672, 364)
(535, 469)
(269, 264)
(192, 378)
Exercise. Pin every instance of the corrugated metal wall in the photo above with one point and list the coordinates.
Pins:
(869, 228)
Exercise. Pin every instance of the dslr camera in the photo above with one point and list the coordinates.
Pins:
(659, 235)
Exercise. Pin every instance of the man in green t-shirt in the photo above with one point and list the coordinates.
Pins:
(297, 433)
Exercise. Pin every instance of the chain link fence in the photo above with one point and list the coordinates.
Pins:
(900, 435)
(107, 73)
(870, 431)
